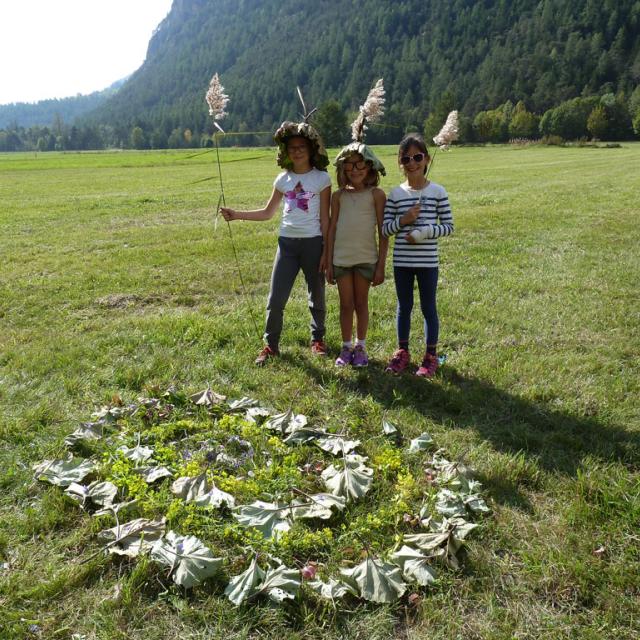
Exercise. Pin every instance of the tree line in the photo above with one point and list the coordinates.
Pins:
(605, 117)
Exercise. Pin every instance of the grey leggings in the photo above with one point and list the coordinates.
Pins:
(294, 254)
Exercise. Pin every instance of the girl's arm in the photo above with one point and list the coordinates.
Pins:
(266, 213)
(392, 222)
(325, 198)
(331, 236)
(444, 226)
(379, 200)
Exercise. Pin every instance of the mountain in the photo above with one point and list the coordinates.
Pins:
(480, 53)
(47, 112)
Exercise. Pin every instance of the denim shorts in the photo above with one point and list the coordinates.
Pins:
(367, 271)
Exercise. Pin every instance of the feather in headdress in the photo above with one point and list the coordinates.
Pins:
(305, 114)
(217, 100)
(371, 111)
(449, 131)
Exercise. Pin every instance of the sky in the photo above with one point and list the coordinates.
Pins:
(59, 48)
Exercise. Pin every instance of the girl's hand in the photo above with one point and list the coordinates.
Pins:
(378, 276)
(228, 214)
(410, 238)
(322, 267)
(329, 274)
(411, 215)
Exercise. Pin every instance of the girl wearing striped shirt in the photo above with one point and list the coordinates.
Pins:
(418, 213)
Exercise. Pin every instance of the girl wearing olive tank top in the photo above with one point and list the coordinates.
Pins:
(354, 259)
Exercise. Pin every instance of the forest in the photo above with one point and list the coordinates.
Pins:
(517, 69)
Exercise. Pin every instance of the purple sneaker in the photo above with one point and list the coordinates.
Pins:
(345, 357)
(360, 358)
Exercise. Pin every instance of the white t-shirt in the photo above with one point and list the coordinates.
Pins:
(301, 209)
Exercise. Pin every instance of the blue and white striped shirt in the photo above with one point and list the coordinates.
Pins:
(435, 220)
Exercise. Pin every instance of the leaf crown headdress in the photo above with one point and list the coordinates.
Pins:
(371, 111)
(319, 158)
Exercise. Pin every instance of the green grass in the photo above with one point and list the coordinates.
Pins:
(114, 279)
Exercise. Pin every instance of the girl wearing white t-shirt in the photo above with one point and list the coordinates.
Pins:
(305, 187)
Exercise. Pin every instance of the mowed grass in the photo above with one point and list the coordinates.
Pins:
(114, 278)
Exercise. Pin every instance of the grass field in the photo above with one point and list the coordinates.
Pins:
(114, 280)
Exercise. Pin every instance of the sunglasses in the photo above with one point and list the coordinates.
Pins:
(418, 157)
(349, 166)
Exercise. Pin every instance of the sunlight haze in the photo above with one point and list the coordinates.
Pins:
(59, 49)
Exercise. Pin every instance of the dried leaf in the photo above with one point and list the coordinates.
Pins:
(281, 584)
(100, 493)
(207, 398)
(152, 474)
(242, 404)
(272, 519)
(422, 442)
(132, 538)
(286, 423)
(333, 589)
(245, 585)
(353, 480)
(337, 446)
(376, 580)
(63, 472)
(190, 561)
(201, 492)
(415, 566)
(318, 506)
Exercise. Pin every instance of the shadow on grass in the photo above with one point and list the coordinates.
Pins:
(557, 441)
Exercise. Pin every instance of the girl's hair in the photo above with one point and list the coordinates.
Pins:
(372, 179)
(413, 140)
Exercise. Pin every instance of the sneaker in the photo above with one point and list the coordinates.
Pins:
(398, 362)
(318, 348)
(265, 354)
(360, 358)
(345, 357)
(429, 366)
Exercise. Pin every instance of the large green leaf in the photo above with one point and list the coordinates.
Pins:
(271, 519)
(190, 561)
(376, 580)
(352, 480)
(415, 566)
(245, 585)
(63, 472)
(318, 505)
(134, 537)
(200, 491)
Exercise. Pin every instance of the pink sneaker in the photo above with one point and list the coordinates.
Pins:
(360, 358)
(399, 362)
(429, 366)
(345, 357)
